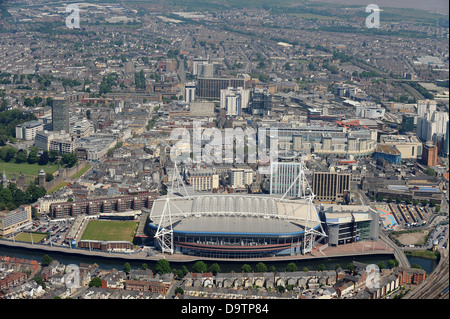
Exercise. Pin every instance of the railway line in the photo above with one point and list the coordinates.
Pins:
(436, 285)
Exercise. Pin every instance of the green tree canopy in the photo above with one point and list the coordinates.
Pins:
(162, 267)
(261, 267)
(246, 268)
(291, 267)
(200, 266)
(127, 267)
(46, 260)
(95, 282)
(214, 268)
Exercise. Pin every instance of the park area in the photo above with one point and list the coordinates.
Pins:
(30, 171)
(106, 230)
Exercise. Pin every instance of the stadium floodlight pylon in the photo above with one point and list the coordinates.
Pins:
(164, 235)
(305, 192)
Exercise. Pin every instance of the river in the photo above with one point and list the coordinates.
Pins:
(226, 266)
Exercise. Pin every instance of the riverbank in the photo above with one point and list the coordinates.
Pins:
(353, 249)
(423, 254)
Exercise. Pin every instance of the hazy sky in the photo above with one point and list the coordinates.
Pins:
(440, 6)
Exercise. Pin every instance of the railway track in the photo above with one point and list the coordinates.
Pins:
(436, 285)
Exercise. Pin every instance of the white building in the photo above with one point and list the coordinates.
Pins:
(43, 139)
(240, 177)
(371, 111)
(234, 100)
(27, 131)
(189, 92)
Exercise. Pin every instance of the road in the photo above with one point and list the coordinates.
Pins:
(398, 252)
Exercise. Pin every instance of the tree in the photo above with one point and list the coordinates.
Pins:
(416, 266)
(21, 156)
(179, 290)
(437, 209)
(53, 155)
(246, 268)
(48, 177)
(95, 282)
(261, 267)
(44, 158)
(162, 267)
(33, 157)
(430, 172)
(70, 159)
(200, 266)
(390, 263)
(321, 267)
(127, 267)
(144, 266)
(46, 260)
(291, 267)
(185, 270)
(214, 268)
(349, 266)
(381, 265)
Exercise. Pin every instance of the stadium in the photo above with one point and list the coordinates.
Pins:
(234, 225)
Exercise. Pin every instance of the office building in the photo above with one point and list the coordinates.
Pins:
(196, 63)
(241, 177)
(426, 107)
(407, 123)
(234, 100)
(261, 102)
(43, 140)
(203, 180)
(12, 221)
(331, 187)
(409, 146)
(209, 88)
(27, 131)
(283, 175)
(347, 224)
(429, 154)
(60, 114)
(189, 92)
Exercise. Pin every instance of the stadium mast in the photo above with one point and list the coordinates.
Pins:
(305, 192)
(164, 235)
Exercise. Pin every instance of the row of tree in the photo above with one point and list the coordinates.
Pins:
(12, 197)
(9, 154)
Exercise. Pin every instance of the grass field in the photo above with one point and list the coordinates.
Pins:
(110, 230)
(37, 237)
(29, 170)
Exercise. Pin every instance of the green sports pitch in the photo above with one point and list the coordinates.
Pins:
(107, 230)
